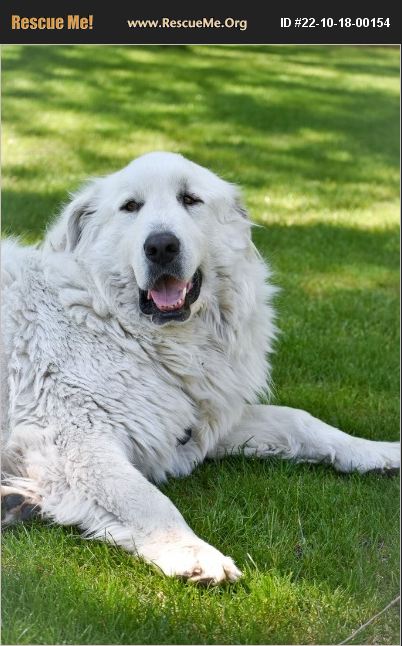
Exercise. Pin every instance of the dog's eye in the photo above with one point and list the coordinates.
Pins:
(131, 206)
(188, 199)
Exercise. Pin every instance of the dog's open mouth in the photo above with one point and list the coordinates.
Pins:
(169, 299)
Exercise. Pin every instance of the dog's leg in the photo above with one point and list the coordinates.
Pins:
(90, 482)
(292, 433)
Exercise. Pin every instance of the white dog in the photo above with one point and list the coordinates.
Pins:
(135, 345)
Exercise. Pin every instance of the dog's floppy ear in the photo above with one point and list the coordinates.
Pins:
(231, 206)
(239, 206)
(66, 232)
(237, 202)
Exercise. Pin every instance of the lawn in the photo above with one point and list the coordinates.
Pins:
(312, 135)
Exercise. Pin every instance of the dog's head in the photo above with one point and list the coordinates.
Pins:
(163, 229)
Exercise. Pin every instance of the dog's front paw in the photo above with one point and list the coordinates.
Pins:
(367, 455)
(194, 561)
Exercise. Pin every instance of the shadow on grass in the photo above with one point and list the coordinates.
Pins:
(261, 115)
(327, 247)
(339, 297)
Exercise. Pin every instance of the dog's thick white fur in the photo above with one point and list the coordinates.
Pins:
(101, 399)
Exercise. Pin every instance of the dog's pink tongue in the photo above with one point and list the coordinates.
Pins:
(168, 293)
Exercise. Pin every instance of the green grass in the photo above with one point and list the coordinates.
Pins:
(312, 134)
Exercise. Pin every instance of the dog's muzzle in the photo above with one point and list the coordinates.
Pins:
(169, 298)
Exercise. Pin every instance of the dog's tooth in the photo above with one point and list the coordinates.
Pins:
(149, 295)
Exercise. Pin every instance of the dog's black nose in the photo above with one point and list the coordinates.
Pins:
(161, 248)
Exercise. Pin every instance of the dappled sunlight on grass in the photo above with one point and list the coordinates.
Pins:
(349, 277)
(295, 122)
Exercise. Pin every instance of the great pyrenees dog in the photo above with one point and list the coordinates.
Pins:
(135, 345)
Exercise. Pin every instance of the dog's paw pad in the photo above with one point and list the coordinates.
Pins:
(11, 501)
(15, 507)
